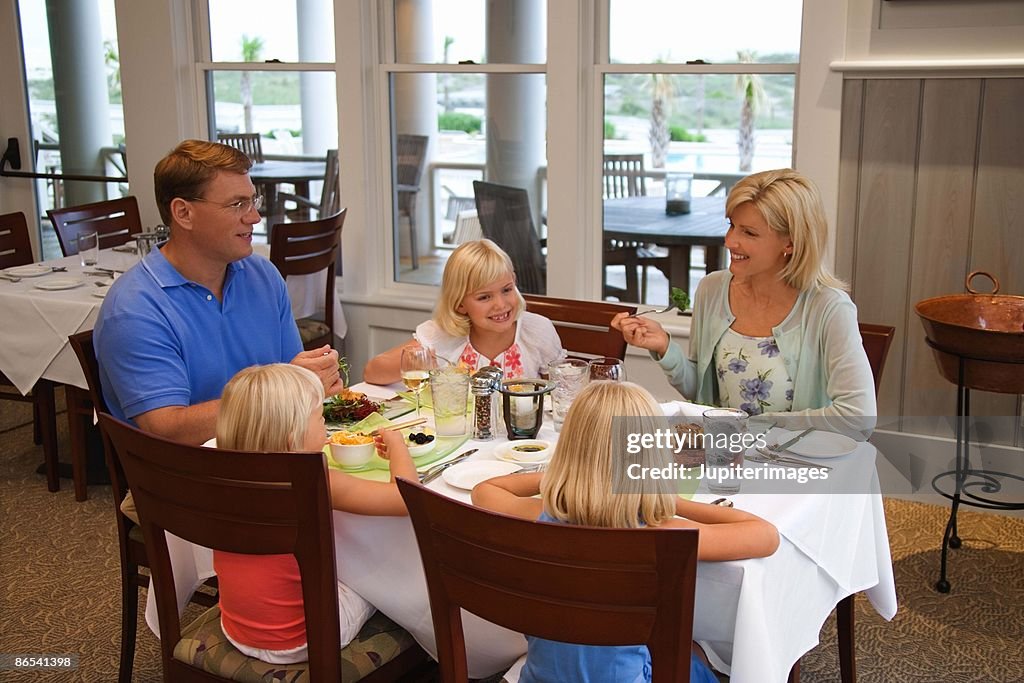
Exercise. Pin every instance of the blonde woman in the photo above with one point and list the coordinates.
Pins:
(776, 332)
(586, 484)
(480, 319)
(279, 408)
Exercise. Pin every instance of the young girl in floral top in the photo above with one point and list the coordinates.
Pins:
(480, 320)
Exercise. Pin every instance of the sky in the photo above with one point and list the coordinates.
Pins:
(641, 30)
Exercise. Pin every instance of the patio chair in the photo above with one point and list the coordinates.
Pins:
(16, 250)
(250, 143)
(506, 219)
(254, 504)
(624, 176)
(116, 220)
(573, 584)
(329, 196)
(304, 248)
(583, 326)
(410, 158)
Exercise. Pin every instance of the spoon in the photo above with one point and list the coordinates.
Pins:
(10, 278)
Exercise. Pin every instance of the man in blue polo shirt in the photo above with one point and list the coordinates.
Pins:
(174, 329)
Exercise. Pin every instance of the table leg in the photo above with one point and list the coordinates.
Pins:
(46, 419)
(679, 266)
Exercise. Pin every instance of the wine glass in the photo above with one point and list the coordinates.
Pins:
(417, 362)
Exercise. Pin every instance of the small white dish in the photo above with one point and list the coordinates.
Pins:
(60, 283)
(416, 450)
(819, 444)
(466, 475)
(525, 451)
(28, 270)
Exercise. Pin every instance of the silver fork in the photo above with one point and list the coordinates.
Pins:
(773, 455)
(653, 310)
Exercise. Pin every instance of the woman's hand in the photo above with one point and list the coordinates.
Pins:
(642, 332)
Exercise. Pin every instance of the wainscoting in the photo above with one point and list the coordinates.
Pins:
(931, 188)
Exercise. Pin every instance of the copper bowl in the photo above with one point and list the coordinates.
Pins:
(986, 330)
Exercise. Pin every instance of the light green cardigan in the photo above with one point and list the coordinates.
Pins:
(820, 345)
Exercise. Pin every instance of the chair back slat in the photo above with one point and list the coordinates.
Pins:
(624, 176)
(306, 247)
(15, 245)
(253, 503)
(506, 219)
(567, 583)
(117, 221)
(250, 144)
(583, 326)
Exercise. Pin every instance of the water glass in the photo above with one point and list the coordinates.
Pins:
(449, 393)
(724, 429)
(611, 369)
(570, 375)
(89, 248)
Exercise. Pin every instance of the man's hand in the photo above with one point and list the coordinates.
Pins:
(324, 362)
(642, 332)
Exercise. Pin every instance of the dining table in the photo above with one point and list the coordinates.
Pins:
(42, 311)
(643, 220)
(273, 172)
(754, 618)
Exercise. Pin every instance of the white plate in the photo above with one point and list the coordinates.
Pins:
(819, 444)
(101, 291)
(60, 283)
(466, 475)
(30, 270)
(505, 452)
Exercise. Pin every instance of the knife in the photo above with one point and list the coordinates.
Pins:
(784, 446)
(435, 471)
(785, 461)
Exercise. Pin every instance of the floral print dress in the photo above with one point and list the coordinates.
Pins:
(751, 374)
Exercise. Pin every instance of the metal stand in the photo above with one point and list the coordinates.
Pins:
(970, 484)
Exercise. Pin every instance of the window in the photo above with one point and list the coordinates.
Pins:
(453, 124)
(268, 71)
(684, 99)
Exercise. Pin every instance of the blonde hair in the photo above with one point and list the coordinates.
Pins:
(791, 206)
(189, 167)
(471, 267)
(266, 408)
(577, 486)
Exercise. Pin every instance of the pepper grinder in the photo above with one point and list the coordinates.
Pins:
(485, 401)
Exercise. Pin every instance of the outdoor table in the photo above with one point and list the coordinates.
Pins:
(299, 173)
(643, 219)
(755, 618)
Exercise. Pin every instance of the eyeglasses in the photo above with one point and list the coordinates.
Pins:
(241, 207)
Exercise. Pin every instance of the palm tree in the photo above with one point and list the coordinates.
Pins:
(658, 133)
(251, 49)
(751, 87)
(448, 40)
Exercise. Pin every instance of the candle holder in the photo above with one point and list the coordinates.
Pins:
(523, 403)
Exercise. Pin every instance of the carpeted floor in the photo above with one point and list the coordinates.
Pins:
(59, 576)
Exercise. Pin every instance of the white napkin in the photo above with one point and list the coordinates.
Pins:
(684, 408)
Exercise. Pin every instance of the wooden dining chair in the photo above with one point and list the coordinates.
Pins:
(304, 248)
(254, 504)
(16, 250)
(583, 326)
(876, 340)
(410, 160)
(573, 584)
(249, 143)
(506, 219)
(130, 544)
(116, 220)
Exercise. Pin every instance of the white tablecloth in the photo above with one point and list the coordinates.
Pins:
(754, 617)
(37, 323)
